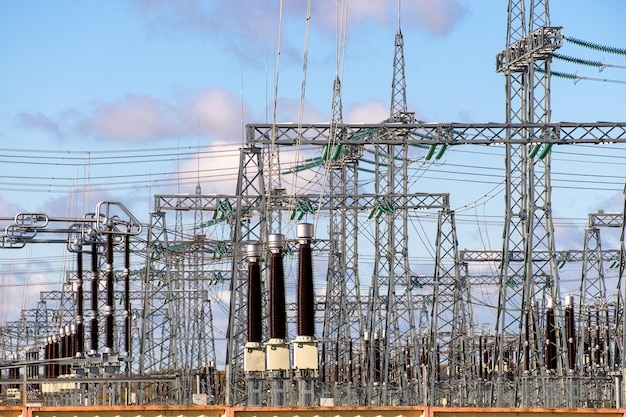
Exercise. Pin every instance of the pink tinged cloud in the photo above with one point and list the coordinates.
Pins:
(370, 112)
(438, 17)
(133, 118)
(136, 118)
(220, 112)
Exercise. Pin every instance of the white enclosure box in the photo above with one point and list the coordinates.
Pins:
(277, 355)
(305, 353)
(253, 357)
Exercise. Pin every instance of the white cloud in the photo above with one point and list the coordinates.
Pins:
(135, 118)
(370, 112)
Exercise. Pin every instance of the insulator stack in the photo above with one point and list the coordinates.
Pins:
(551, 334)
(350, 362)
(14, 373)
(588, 349)
(55, 355)
(67, 349)
(94, 298)
(46, 357)
(377, 358)
(108, 312)
(127, 311)
(337, 376)
(33, 370)
(74, 341)
(80, 301)
(255, 304)
(527, 342)
(597, 341)
(61, 350)
(408, 369)
(570, 332)
(607, 337)
(305, 293)
(278, 314)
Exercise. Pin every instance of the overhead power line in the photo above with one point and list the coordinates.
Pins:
(597, 46)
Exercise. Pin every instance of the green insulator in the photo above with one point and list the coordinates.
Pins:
(545, 151)
(430, 152)
(534, 150)
(337, 152)
(441, 151)
(324, 152)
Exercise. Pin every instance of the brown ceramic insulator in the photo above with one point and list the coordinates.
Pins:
(551, 355)
(607, 337)
(255, 312)
(278, 314)
(80, 303)
(55, 355)
(94, 296)
(110, 275)
(527, 330)
(570, 335)
(306, 307)
(127, 322)
(46, 357)
(598, 342)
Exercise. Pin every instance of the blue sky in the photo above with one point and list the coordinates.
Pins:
(113, 100)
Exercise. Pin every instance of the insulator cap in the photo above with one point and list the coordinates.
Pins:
(253, 250)
(276, 242)
(304, 231)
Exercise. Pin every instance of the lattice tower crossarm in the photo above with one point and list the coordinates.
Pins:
(451, 134)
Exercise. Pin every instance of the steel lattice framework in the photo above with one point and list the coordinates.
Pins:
(407, 338)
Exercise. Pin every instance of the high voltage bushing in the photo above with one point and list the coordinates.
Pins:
(254, 353)
(305, 355)
(277, 350)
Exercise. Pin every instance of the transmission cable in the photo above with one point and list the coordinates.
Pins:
(302, 102)
(576, 77)
(596, 46)
(590, 63)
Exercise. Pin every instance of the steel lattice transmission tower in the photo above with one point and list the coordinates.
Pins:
(343, 326)
(526, 285)
(384, 361)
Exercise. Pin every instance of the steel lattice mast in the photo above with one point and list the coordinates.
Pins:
(391, 316)
(525, 285)
(249, 225)
(343, 325)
